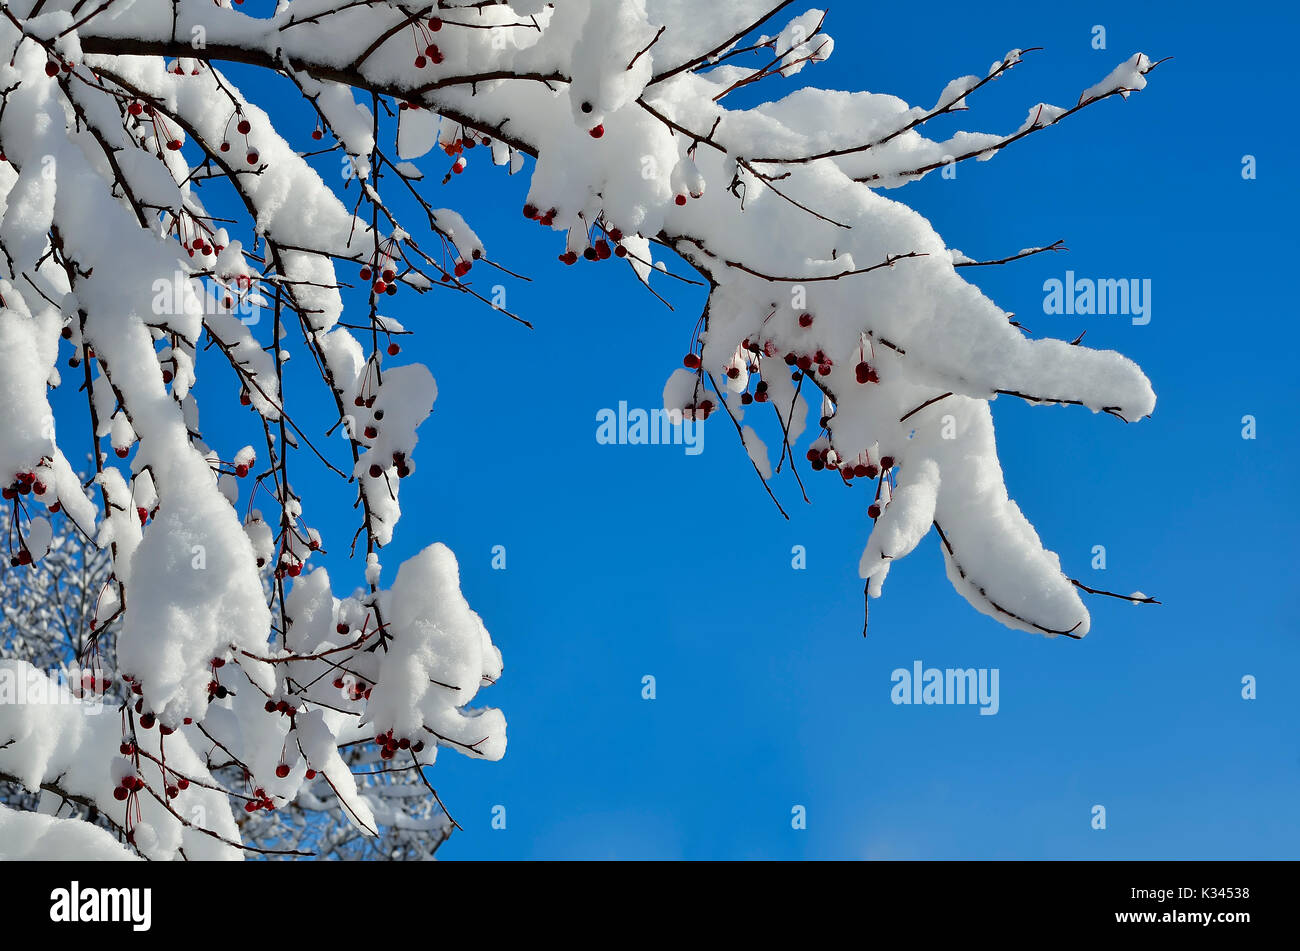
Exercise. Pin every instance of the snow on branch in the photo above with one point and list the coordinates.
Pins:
(158, 221)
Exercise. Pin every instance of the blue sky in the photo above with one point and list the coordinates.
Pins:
(626, 561)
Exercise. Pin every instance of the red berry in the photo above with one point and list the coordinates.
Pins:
(462, 268)
(371, 432)
(680, 199)
(733, 373)
(435, 24)
(51, 68)
(379, 287)
(394, 349)
(691, 361)
(225, 146)
(244, 127)
(597, 132)
(530, 211)
(120, 794)
(317, 134)
(886, 462)
(365, 274)
(282, 770)
(569, 257)
(421, 62)
(873, 510)
(311, 774)
(252, 158)
(182, 784)
(805, 320)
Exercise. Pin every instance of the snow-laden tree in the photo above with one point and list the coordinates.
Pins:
(122, 137)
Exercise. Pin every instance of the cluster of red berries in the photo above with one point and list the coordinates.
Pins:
(422, 35)
(384, 274)
(399, 461)
(356, 689)
(389, 745)
(243, 127)
(260, 800)
(215, 688)
(127, 786)
(806, 361)
(282, 707)
(25, 483)
(700, 410)
(94, 684)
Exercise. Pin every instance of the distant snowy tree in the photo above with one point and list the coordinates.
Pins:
(151, 210)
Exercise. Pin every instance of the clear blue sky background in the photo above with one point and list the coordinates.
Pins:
(624, 561)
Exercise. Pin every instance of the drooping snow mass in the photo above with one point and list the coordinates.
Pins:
(117, 276)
